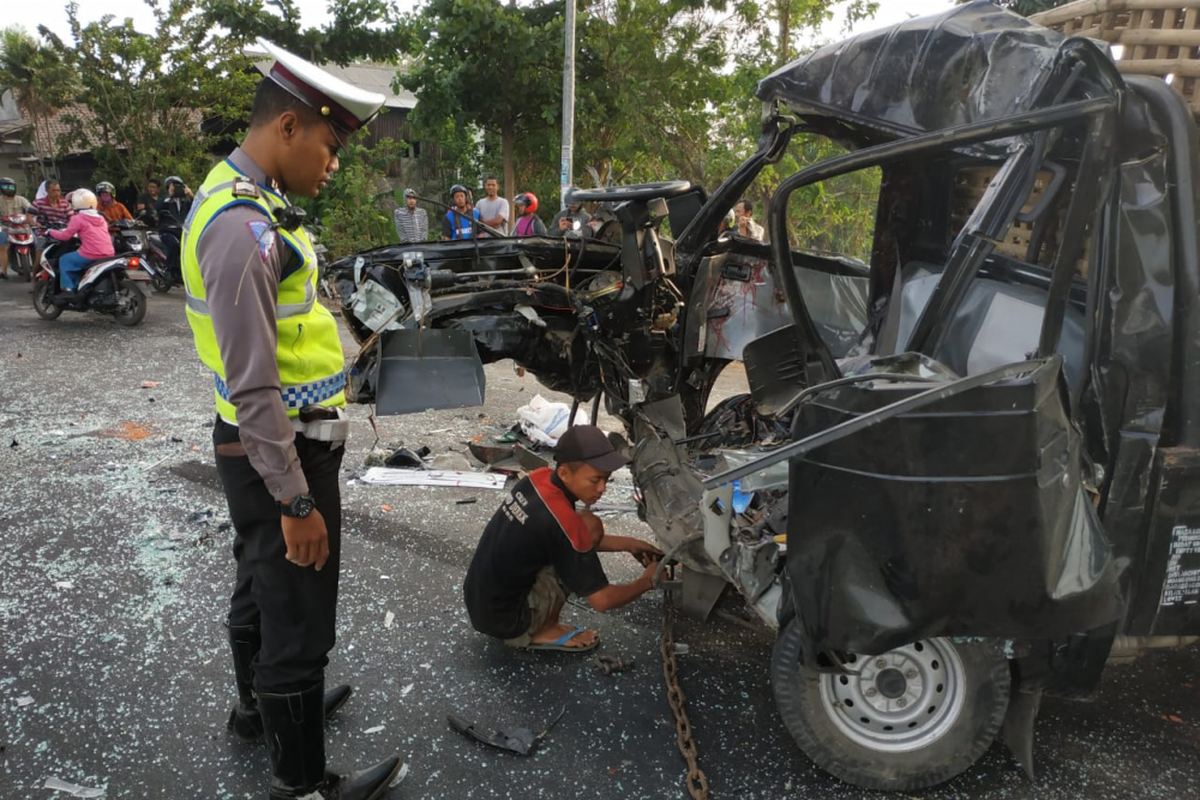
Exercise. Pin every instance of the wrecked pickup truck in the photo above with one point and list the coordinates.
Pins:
(966, 472)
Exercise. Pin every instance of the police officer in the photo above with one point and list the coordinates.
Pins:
(251, 280)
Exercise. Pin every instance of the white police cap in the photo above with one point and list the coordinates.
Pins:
(347, 106)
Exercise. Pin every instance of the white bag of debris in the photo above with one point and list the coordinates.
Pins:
(544, 421)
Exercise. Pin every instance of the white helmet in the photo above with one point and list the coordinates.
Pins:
(83, 198)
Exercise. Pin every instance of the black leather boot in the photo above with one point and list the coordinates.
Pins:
(244, 721)
(295, 728)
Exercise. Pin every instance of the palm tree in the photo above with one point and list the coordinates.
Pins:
(37, 77)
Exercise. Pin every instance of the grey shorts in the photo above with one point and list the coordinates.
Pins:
(546, 594)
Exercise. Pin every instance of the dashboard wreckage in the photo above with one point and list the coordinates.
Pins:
(966, 473)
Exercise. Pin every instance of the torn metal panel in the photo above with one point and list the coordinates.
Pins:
(959, 536)
(972, 64)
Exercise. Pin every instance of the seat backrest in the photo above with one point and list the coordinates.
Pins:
(997, 323)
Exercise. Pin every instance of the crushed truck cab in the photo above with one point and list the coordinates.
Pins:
(966, 473)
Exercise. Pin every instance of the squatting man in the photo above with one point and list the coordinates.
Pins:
(538, 548)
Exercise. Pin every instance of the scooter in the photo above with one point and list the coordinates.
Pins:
(127, 237)
(20, 242)
(105, 287)
(162, 261)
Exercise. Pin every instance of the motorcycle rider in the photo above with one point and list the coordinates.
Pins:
(110, 207)
(528, 223)
(10, 203)
(457, 222)
(173, 209)
(95, 243)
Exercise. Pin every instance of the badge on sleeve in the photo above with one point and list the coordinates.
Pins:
(244, 187)
(264, 237)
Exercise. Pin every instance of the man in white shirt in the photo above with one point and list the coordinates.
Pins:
(744, 221)
(493, 210)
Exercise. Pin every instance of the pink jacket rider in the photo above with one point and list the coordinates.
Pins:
(95, 241)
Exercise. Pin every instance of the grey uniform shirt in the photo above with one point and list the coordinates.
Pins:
(241, 284)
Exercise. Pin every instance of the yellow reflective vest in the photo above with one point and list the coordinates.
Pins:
(308, 351)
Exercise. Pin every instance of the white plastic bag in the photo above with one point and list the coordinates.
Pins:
(544, 421)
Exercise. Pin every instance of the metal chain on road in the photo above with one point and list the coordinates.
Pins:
(697, 783)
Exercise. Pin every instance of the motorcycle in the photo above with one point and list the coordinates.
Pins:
(162, 262)
(128, 237)
(105, 287)
(20, 242)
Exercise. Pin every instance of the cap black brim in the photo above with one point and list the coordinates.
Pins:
(609, 462)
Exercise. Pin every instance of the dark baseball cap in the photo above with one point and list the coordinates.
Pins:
(588, 444)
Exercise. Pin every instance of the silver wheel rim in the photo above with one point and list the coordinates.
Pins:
(901, 701)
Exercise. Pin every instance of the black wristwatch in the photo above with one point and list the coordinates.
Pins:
(300, 506)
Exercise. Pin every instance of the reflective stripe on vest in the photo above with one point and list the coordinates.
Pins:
(308, 350)
(297, 397)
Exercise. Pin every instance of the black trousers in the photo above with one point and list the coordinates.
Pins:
(295, 607)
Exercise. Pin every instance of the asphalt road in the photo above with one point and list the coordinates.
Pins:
(115, 566)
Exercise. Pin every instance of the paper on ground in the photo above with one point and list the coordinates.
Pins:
(72, 788)
(388, 619)
(393, 476)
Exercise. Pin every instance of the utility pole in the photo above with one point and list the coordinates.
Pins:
(567, 174)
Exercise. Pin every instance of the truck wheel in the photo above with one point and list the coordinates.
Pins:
(909, 719)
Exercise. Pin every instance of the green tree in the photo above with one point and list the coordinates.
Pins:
(146, 95)
(491, 66)
(349, 215)
(38, 78)
(359, 29)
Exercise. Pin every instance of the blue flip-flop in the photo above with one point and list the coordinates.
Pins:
(560, 644)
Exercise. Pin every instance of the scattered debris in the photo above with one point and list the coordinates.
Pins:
(15, 443)
(201, 517)
(388, 619)
(401, 775)
(544, 421)
(521, 741)
(72, 788)
(405, 458)
(63, 585)
(682, 649)
(387, 476)
(24, 701)
(385, 508)
(376, 729)
(404, 692)
(451, 461)
(150, 384)
(610, 664)
(467, 502)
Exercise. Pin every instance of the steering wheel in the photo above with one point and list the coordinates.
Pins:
(635, 191)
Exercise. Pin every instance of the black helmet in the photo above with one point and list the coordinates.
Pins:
(105, 186)
(458, 187)
(8, 186)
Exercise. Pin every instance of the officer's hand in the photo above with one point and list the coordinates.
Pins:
(307, 539)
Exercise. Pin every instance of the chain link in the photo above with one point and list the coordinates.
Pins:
(697, 783)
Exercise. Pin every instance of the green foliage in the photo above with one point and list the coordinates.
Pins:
(146, 95)
(39, 78)
(349, 215)
(496, 67)
(360, 29)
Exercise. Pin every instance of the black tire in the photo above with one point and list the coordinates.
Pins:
(161, 285)
(963, 730)
(41, 301)
(133, 305)
(23, 263)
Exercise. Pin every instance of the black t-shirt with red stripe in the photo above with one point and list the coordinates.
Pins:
(537, 526)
